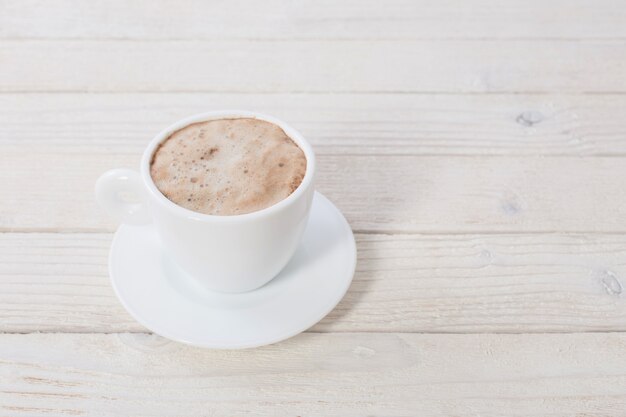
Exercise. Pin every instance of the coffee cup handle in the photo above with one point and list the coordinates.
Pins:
(120, 192)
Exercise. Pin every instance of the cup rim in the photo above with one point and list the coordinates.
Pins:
(146, 160)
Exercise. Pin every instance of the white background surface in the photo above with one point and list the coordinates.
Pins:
(477, 148)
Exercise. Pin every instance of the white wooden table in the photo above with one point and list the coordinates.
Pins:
(477, 148)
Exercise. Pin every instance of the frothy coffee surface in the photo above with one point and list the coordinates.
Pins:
(228, 166)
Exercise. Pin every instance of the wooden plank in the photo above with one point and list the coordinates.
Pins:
(314, 66)
(358, 124)
(403, 283)
(280, 19)
(62, 279)
(313, 374)
(54, 192)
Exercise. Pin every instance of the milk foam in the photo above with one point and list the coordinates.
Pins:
(228, 166)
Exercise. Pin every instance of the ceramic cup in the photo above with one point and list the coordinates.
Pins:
(225, 253)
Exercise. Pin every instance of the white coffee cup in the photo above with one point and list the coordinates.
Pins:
(225, 253)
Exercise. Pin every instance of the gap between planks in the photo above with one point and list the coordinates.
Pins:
(304, 40)
(147, 333)
(374, 232)
(89, 92)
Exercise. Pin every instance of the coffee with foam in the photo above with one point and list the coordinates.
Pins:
(228, 166)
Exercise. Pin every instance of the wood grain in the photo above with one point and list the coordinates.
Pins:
(313, 374)
(54, 192)
(356, 124)
(451, 283)
(285, 19)
(314, 66)
(477, 147)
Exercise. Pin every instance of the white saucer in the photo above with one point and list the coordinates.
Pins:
(170, 303)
